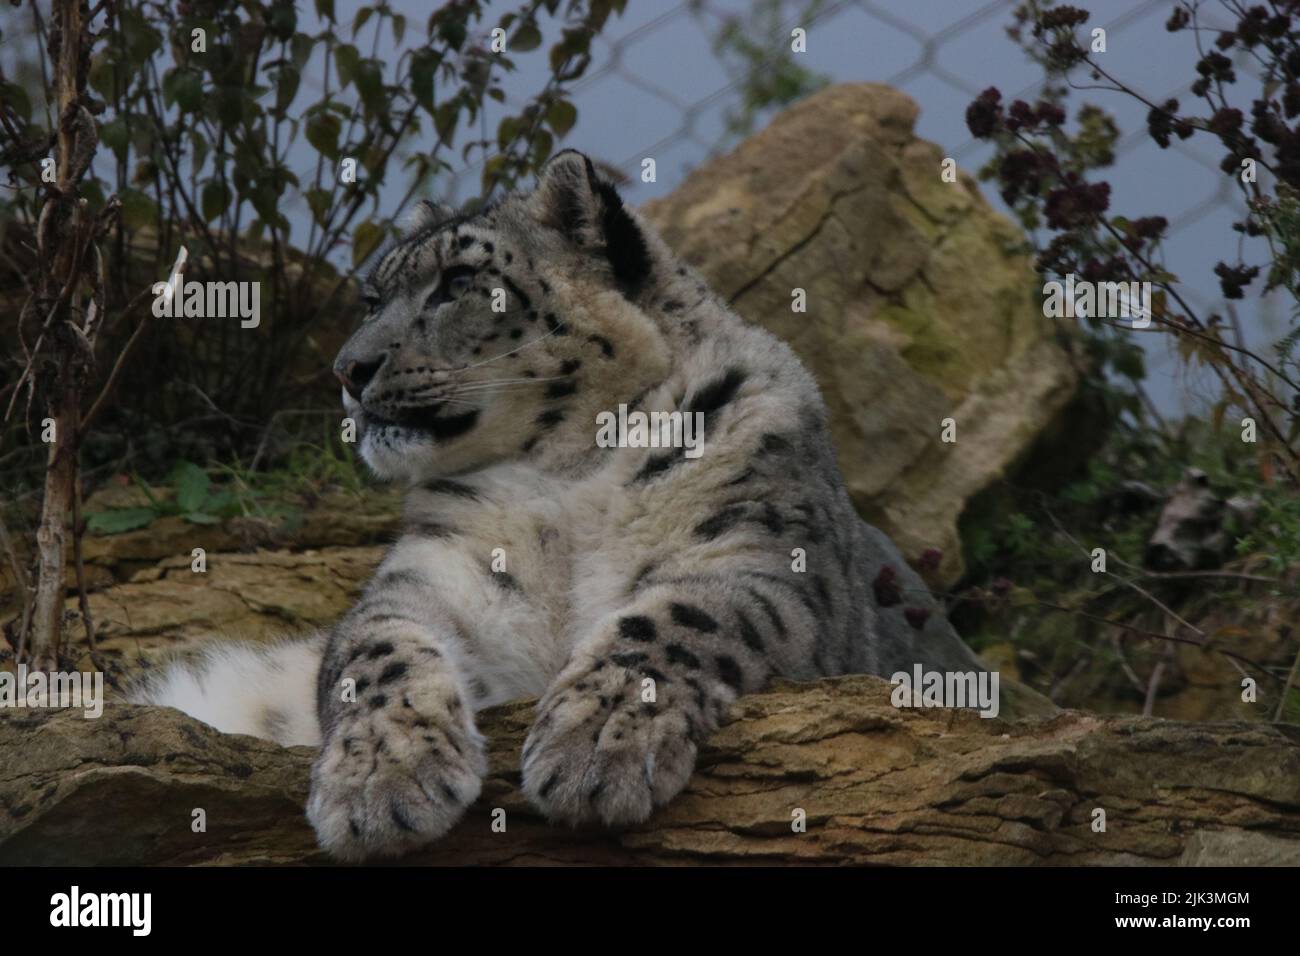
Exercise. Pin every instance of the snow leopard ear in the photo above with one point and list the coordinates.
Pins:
(574, 200)
(424, 215)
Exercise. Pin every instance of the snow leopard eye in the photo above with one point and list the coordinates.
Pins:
(457, 281)
(454, 283)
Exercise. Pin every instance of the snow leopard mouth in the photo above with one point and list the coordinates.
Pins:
(433, 421)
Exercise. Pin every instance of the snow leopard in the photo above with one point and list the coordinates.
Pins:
(635, 588)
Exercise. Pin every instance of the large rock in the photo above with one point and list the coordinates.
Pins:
(335, 520)
(148, 602)
(876, 785)
(918, 309)
(169, 609)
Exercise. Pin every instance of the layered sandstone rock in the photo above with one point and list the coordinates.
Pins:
(919, 308)
(872, 784)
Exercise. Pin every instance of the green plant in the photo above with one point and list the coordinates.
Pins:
(1276, 534)
(194, 499)
(1094, 639)
(197, 106)
(1104, 631)
(1047, 170)
(201, 118)
(305, 472)
(757, 46)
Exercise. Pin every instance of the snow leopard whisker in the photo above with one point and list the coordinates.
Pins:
(435, 392)
(421, 406)
(517, 348)
(424, 399)
(478, 386)
(494, 390)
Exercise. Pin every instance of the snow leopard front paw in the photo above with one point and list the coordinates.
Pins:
(599, 752)
(389, 780)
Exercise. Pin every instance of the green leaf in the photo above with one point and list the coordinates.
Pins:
(228, 104)
(198, 151)
(216, 198)
(574, 46)
(452, 32)
(93, 193)
(286, 87)
(266, 201)
(1129, 363)
(346, 59)
(445, 118)
(142, 40)
(508, 130)
(424, 66)
(283, 20)
(187, 90)
(526, 38)
(118, 520)
(146, 491)
(220, 502)
(138, 210)
(363, 15)
(399, 29)
(142, 138)
(300, 49)
(116, 136)
(543, 142)
(368, 236)
(17, 97)
(373, 159)
(319, 201)
(101, 74)
(199, 517)
(560, 116)
(192, 484)
(370, 84)
(325, 8)
(492, 170)
(323, 133)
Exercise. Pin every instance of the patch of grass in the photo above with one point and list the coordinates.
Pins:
(305, 472)
(1031, 589)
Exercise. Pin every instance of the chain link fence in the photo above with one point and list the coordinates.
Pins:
(943, 55)
(658, 88)
(695, 129)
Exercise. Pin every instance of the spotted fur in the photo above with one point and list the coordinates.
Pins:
(636, 591)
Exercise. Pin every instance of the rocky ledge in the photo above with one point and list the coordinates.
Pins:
(871, 784)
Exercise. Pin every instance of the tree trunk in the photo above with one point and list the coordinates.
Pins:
(60, 367)
(56, 504)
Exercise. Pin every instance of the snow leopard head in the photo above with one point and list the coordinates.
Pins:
(500, 334)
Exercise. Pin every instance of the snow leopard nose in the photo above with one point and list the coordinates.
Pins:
(355, 375)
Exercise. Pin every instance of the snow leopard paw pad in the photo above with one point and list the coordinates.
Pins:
(599, 752)
(395, 774)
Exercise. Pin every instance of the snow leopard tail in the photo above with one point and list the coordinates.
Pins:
(265, 690)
